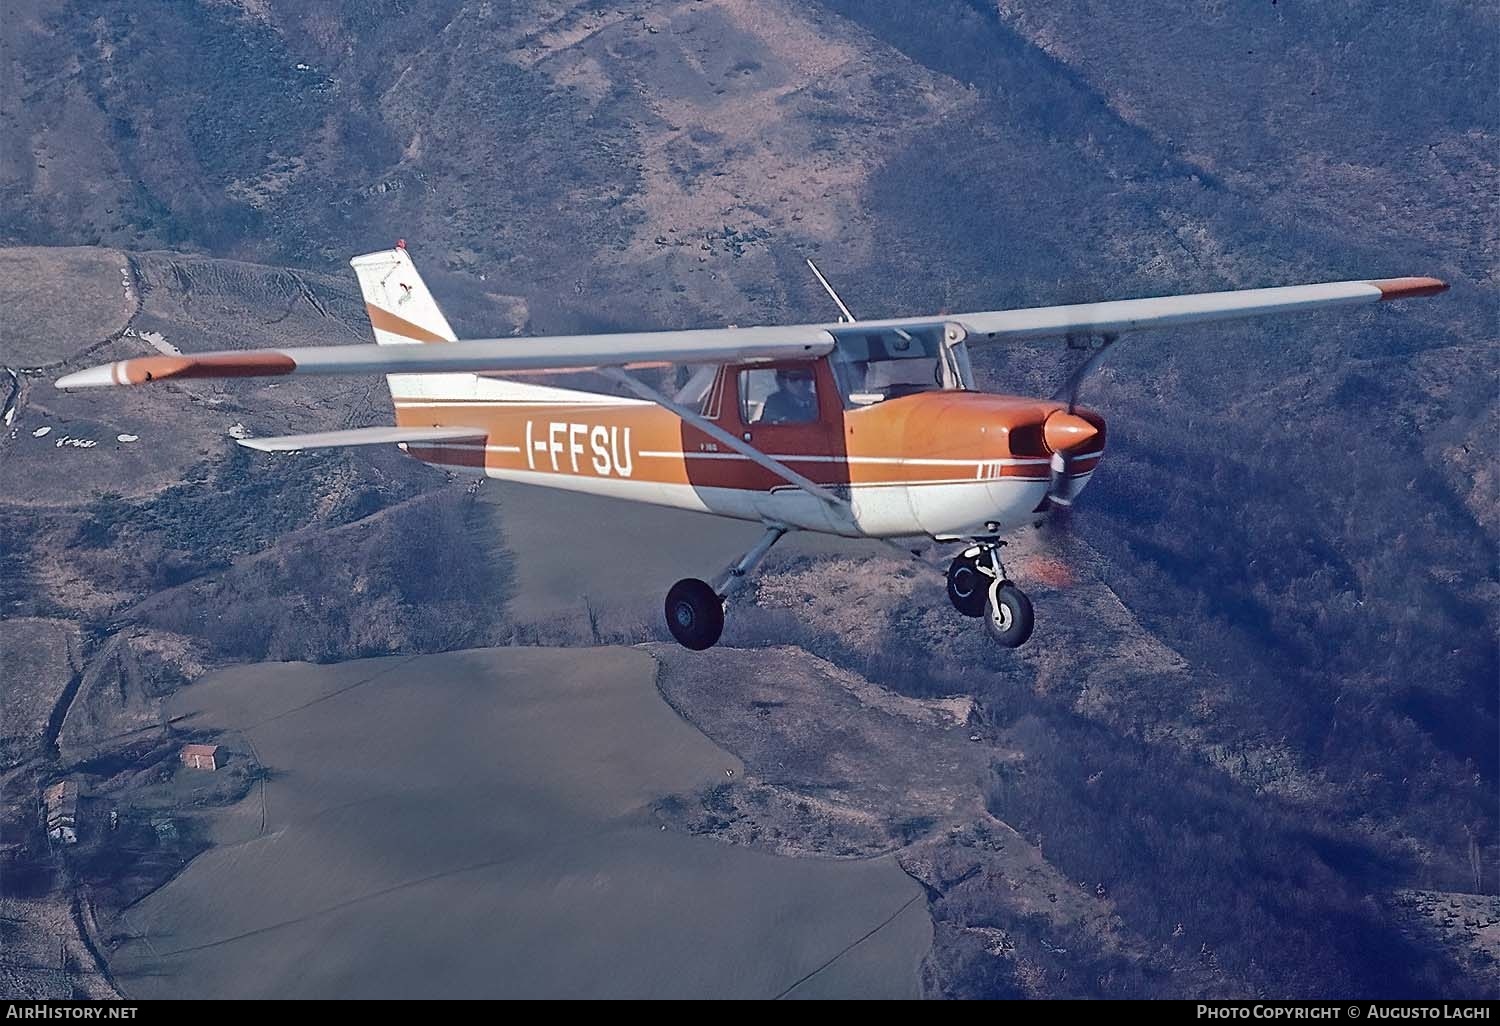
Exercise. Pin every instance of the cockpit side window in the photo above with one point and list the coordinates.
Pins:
(876, 364)
(780, 395)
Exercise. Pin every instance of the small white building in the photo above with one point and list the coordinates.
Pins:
(60, 802)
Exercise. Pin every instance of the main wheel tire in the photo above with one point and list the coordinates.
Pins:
(695, 614)
(1008, 617)
(968, 589)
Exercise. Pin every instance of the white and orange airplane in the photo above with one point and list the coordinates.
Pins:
(865, 429)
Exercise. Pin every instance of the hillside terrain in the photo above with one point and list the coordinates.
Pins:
(1256, 726)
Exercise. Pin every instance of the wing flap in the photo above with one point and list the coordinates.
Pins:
(364, 436)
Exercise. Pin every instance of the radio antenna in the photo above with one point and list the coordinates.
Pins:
(844, 310)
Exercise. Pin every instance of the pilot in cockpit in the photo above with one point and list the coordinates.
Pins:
(794, 401)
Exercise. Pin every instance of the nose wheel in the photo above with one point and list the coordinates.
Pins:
(1007, 616)
(978, 587)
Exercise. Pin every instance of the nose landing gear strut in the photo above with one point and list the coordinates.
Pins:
(978, 587)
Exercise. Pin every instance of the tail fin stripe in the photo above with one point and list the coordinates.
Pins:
(384, 320)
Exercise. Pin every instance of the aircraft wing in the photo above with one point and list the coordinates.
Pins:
(363, 436)
(732, 345)
(1124, 315)
(485, 356)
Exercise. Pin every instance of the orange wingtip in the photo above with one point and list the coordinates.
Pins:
(228, 365)
(1409, 288)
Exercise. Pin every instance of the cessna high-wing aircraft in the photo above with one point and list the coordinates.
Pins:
(866, 429)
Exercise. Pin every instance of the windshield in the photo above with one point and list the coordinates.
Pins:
(875, 364)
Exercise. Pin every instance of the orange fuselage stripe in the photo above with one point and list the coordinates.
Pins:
(921, 439)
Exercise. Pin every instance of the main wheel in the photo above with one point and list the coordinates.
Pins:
(1007, 615)
(695, 614)
(967, 587)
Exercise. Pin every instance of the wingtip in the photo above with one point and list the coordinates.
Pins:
(94, 377)
(250, 363)
(1409, 288)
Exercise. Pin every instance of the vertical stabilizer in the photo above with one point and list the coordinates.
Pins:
(402, 311)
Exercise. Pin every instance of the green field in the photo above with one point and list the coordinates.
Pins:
(476, 824)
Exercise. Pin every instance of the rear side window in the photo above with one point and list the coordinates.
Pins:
(698, 393)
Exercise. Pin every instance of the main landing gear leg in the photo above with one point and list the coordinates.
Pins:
(695, 609)
(978, 587)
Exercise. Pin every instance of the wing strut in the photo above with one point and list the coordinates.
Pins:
(1069, 388)
(718, 434)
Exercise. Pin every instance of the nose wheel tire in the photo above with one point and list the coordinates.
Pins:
(695, 614)
(1007, 615)
(967, 587)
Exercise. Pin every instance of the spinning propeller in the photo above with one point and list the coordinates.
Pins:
(1067, 434)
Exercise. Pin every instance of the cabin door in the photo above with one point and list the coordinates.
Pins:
(792, 413)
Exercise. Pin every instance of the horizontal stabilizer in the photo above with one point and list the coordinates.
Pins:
(364, 436)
